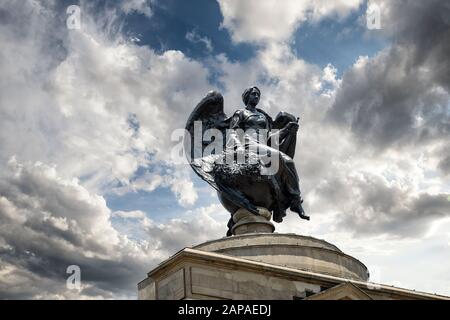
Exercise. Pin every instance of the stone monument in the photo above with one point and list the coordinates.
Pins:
(247, 158)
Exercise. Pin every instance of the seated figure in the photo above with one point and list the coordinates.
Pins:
(255, 167)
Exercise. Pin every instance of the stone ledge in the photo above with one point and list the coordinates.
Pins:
(303, 253)
(222, 263)
(273, 238)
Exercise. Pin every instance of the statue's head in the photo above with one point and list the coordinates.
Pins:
(251, 96)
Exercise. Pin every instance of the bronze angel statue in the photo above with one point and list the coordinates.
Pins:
(246, 145)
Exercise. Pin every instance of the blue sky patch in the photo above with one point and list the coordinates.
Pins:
(337, 42)
(173, 20)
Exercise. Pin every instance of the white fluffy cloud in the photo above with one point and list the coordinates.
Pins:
(272, 20)
(97, 109)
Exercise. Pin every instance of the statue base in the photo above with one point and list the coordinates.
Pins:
(247, 222)
(266, 266)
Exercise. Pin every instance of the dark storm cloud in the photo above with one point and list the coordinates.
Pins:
(444, 165)
(402, 95)
(399, 101)
(424, 27)
(369, 206)
(411, 220)
(48, 224)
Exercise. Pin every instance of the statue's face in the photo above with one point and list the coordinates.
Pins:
(253, 98)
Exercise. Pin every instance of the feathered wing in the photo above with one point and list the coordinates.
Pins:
(209, 113)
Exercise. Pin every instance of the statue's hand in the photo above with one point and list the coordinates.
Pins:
(292, 126)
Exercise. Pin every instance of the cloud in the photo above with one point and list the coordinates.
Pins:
(178, 181)
(261, 21)
(401, 96)
(378, 208)
(444, 165)
(194, 227)
(48, 223)
(397, 102)
(194, 37)
(111, 82)
(139, 6)
(71, 104)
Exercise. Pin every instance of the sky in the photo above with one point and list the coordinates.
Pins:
(87, 114)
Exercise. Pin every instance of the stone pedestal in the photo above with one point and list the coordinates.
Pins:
(290, 250)
(266, 266)
(247, 222)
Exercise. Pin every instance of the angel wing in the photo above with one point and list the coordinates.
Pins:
(210, 115)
